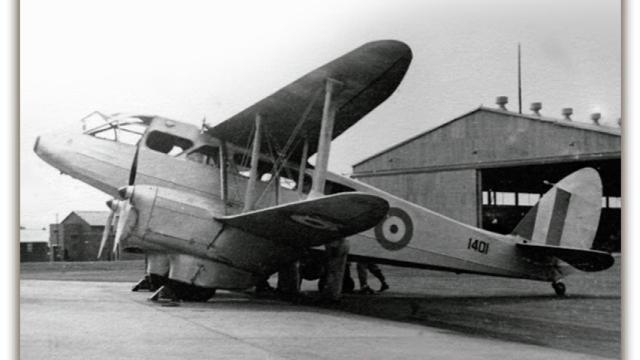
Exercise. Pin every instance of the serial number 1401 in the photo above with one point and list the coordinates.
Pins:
(478, 245)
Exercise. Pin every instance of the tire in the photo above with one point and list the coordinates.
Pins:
(559, 288)
(188, 292)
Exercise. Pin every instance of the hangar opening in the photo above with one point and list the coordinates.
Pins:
(508, 193)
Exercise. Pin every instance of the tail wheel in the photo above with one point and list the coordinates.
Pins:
(559, 288)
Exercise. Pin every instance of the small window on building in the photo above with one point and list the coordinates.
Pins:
(508, 198)
(528, 199)
(498, 198)
(207, 155)
(167, 143)
(615, 202)
(485, 198)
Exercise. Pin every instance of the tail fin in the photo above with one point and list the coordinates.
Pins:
(565, 221)
(568, 214)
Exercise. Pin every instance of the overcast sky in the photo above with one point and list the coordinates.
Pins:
(190, 59)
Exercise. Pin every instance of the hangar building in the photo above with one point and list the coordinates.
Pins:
(34, 245)
(77, 238)
(489, 166)
(78, 235)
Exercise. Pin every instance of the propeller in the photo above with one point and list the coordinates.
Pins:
(123, 208)
(120, 209)
(107, 230)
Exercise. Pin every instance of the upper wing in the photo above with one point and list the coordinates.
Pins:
(313, 222)
(369, 75)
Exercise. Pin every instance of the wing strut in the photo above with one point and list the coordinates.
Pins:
(303, 165)
(250, 195)
(324, 140)
(224, 194)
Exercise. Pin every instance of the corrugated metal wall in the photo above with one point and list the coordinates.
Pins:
(488, 137)
(451, 193)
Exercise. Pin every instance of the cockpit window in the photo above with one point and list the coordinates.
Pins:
(120, 128)
(167, 143)
(207, 155)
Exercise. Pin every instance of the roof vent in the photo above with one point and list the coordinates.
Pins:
(502, 102)
(596, 118)
(567, 112)
(536, 107)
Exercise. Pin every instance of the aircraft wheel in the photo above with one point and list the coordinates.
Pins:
(559, 288)
(188, 292)
(156, 281)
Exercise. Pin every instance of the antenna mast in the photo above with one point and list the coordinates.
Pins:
(519, 84)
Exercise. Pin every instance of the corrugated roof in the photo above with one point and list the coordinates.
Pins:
(615, 131)
(93, 218)
(34, 235)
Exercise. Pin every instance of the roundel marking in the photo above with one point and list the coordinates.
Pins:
(315, 222)
(395, 231)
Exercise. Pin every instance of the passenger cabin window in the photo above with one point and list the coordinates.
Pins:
(207, 155)
(242, 164)
(167, 143)
(330, 187)
(287, 183)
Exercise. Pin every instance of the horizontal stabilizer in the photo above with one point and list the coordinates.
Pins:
(581, 259)
(313, 222)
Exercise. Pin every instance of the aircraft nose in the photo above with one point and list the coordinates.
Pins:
(42, 147)
(49, 147)
(35, 146)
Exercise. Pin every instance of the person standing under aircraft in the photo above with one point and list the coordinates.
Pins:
(362, 268)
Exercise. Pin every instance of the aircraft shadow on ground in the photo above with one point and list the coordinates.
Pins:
(537, 319)
(544, 319)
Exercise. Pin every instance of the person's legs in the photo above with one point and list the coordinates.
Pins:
(375, 270)
(362, 274)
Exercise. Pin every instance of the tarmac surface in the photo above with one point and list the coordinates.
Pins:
(425, 315)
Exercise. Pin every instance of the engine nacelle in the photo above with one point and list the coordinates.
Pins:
(167, 220)
(201, 250)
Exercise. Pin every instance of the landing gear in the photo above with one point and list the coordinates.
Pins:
(150, 282)
(348, 285)
(143, 284)
(178, 291)
(559, 288)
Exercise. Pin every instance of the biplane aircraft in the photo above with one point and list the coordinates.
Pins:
(226, 206)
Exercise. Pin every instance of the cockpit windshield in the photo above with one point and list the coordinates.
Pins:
(124, 128)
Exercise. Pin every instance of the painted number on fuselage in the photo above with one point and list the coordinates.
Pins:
(478, 245)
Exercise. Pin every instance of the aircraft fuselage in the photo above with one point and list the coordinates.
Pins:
(410, 235)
